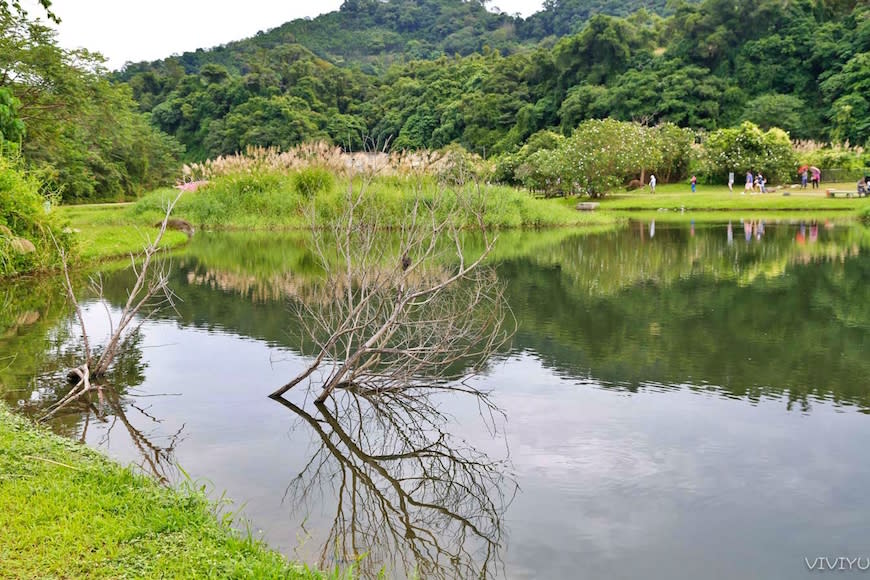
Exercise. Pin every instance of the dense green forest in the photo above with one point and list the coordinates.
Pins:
(372, 34)
(414, 74)
(802, 65)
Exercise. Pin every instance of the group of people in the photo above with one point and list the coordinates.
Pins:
(757, 182)
(753, 182)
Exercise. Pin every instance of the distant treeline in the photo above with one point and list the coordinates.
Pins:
(801, 65)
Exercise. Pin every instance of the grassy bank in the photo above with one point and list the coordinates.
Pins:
(104, 231)
(272, 200)
(68, 512)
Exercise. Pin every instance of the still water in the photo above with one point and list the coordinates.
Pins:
(678, 401)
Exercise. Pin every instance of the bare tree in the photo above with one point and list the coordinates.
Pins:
(405, 304)
(408, 496)
(149, 293)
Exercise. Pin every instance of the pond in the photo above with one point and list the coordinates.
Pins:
(678, 401)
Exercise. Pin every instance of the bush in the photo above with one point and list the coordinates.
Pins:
(312, 180)
(26, 224)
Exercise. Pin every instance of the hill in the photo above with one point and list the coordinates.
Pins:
(372, 34)
(428, 73)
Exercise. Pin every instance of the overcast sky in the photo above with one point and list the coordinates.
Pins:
(135, 30)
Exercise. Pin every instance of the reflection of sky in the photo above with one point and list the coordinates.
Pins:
(662, 483)
(675, 484)
(657, 484)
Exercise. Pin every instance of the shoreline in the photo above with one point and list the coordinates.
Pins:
(69, 511)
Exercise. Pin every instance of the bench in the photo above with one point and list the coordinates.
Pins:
(845, 192)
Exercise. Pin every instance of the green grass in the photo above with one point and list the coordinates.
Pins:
(68, 512)
(104, 231)
(715, 198)
(273, 201)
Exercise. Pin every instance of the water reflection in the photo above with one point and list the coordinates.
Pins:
(114, 409)
(646, 371)
(408, 495)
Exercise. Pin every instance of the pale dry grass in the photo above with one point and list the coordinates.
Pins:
(321, 154)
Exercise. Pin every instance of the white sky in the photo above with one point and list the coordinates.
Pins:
(135, 30)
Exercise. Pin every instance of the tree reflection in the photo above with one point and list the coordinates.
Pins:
(409, 496)
(156, 460)
(111, 407)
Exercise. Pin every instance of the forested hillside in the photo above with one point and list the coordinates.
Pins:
(802, 65)
(412, 74)
(372, 34)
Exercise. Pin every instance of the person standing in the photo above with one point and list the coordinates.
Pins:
(694, 183)
(748, 182)
(652, 183)
(817, 177)
(804, 176)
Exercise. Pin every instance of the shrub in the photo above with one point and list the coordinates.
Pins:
(26, 224)
(602, 154)
(312, 180)
(516, 168)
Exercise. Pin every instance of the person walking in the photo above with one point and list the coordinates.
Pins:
(816, 177)
(652, 183)
(730, 182)
(694, 182)
(804, 177)
(748, 182)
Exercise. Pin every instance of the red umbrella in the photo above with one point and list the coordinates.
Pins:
(803, 168)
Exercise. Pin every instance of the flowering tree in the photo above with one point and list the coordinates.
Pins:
(748, 148)
(602, 154)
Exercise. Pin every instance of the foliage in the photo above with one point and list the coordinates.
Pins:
(81, 131)
(11, 126)
(675, 149)
(437, 72)
(774, 110)
(8, 6)
(270, 200)
(312, 180)
(599, 156)
(851, 159)
(27, 228)
(513, 168)
(748, 148)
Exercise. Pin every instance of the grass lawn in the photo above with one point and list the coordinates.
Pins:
(67, 511)
(678, 196)
(110, 230)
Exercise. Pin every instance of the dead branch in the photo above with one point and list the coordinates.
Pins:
(152, 279)
(391, 313)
